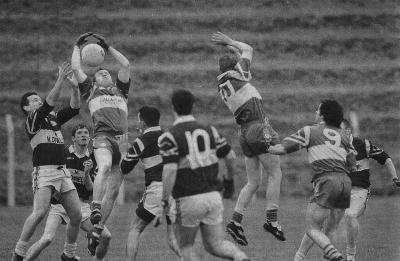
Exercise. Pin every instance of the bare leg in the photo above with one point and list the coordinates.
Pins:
(104, 159)
(253, 170)
(52, 223)
(112, 189)
(72, 206)
(41, 203)
(172, 242)
(214, 243)
(132, 244)
(186, 237)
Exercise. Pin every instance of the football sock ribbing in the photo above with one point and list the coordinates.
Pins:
(351, 251)
(237, 217)
(95, 205)
(299, 256)
(70, 249)
(330, 252)
(21, 248)
(271, 215)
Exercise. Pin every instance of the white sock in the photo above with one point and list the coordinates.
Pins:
(21, 248)
(70, 249)
(350, 253)
(299, 256)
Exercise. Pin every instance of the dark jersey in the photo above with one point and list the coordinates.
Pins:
(241, 97)
(108, 106)
(145, 148)
(365, 151)
(43, 127)
(327, 147)
(196, 148)
(75, 165)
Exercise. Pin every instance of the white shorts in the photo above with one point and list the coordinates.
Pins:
(58, 210)
(206, 208)
(358, 202)
(150, 204)
(50, 176)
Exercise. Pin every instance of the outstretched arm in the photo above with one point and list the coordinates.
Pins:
(392, 171)
(124, 71)
(63, 71)
(277, 149)
(76, 58)
(245, 50)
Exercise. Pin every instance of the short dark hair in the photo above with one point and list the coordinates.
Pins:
(150, 115)
(25, 102)
(332, 112)
(182, 100)
(78, 127)
(227, 62)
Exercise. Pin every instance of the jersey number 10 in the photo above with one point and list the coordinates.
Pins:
(199, 157)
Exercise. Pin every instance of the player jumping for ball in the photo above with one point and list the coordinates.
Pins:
(331, 155)
(43, 127)
(107, 102)
(79, 163)
(245, 102)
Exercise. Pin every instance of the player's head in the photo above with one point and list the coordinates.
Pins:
(102, 78)
(227, 62)
(346, 126)
(330, 112)
(30, 101)
(80, 134)
(182, 101)
(148, 117)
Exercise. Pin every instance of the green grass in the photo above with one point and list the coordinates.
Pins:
(378, 238)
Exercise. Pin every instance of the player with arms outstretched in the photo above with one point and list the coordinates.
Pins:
(145, 149)
(107, 102)
(190, 153)
(43, 127)
(360, 184)
(79, 162)
(331, 154)
(245, 102)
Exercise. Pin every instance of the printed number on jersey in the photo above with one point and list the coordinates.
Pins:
(226, 90)
(333, 136)
(199, 144)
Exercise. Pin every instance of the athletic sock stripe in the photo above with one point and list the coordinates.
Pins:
(329, 245)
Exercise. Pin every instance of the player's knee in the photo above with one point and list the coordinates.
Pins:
(47, 239)
(350, 215)
(103, 168)
(75, 218)
(39, 214)
(253, 186)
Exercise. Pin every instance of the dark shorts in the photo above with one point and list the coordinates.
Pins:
(111, 143)
(255, 136)
(332, 190)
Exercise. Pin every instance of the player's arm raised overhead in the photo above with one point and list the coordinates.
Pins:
(292, 143)
(76, 58)
(124, 71)
(65, 114)
(245, 50)
(63, 71)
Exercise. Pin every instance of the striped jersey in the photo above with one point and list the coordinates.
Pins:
(196, 148)
(241, 97)
(43, 127)
(365, 151)
(108, 106)
(145, 149)
(327, 147)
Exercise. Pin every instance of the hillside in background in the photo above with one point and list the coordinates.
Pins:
(305, 51)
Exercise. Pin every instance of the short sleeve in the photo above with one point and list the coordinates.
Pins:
(298, 140)
(168, 148)
(123, 87)
(85, 88)
(376, 153)
(221, 145)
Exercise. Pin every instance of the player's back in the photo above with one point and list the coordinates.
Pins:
(241, 97)
(328, 147)
(193, 146)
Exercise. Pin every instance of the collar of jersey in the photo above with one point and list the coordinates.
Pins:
(72, 150)
(185, 118)
(154, 128)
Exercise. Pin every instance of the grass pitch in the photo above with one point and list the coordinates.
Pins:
(379, 237)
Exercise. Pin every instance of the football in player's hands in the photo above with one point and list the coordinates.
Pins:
(396, 181)
(88, 164)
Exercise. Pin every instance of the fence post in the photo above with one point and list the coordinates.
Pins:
(11, 161)
(354, 122)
